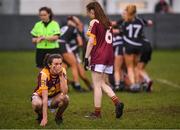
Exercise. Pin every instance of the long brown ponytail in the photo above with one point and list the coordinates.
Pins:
(99, 14)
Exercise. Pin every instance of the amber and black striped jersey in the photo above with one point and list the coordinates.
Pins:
(49, 82)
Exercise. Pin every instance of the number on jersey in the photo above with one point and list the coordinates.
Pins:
(108, 37)
(133, 30)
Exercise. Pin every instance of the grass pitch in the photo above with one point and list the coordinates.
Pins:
(159, 109)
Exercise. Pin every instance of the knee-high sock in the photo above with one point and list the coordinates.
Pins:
(107, 89)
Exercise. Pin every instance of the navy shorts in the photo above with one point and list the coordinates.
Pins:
(146, 52)
(64, 48)
(132, 49)
(118, 50)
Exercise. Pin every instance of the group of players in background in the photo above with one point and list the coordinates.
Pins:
(132, 51)
(124, 38)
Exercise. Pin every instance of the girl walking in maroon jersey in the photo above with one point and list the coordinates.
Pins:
(99, 58)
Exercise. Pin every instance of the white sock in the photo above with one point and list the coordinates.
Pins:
(146, 77)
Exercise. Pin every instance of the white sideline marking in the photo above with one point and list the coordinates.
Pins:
(169, 83)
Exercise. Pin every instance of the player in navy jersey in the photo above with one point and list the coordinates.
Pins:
(76, 47)
(136, 46)
(100, 53)
(118, 46)
(69, 32)
(132, 35)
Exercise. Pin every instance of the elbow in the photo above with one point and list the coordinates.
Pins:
(65, 91)
(45, 98)
(66, 88)
(91, 42)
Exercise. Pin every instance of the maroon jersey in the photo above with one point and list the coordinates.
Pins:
(102, 51)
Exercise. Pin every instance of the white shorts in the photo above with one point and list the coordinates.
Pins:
(108, 69)
(35, 96)
(49, 105)
(49, 102)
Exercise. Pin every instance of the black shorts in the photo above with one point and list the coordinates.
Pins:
(64, 48)
(40, 54)
(132, 49)
(118, 50)
(146, 52)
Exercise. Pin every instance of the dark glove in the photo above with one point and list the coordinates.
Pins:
(86, 64)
